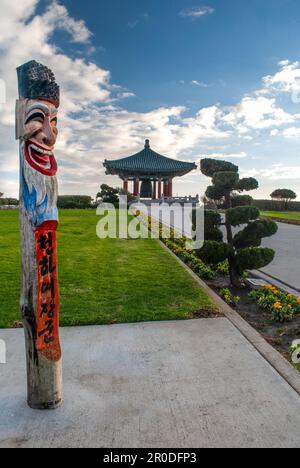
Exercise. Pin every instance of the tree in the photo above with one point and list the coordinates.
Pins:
(242, 249)
(284, 195)
(74, 201)
(108, 194)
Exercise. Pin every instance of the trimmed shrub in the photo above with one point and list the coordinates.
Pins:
(214, 193)
(225, 181)
(214, 252)
(247, 184)
(253, 234)
(241, 200)
(212, 222)
(254, 258)
(210, 166)
(243, 252)
(242, 215)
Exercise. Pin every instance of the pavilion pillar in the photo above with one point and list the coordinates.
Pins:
(159, 188)
(166, 188)
(125, 185)
(136, 187)
(154, 190)
(170, 188)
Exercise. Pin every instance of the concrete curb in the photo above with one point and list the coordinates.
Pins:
(292, 222)
(275, 281)
(272, 356)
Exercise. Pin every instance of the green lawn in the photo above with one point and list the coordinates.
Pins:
(291, 215)
(102, 281)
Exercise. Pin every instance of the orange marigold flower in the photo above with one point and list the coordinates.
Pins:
(277, 305)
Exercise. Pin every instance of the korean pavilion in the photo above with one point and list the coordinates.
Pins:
(151, 173)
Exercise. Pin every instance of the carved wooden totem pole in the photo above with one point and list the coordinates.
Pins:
(36, 128)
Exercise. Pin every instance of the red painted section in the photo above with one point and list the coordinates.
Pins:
(47, 310)
(44, 163)
(125, 186)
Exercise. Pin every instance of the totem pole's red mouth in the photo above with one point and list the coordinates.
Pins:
(40, 158)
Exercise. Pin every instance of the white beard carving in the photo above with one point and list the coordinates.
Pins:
(44, 185)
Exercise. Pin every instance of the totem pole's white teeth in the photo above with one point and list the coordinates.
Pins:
(40, 150)
(44, 157)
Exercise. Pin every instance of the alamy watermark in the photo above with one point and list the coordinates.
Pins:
(2, 352)
(2, 92)
(296, 351)
(179, 220)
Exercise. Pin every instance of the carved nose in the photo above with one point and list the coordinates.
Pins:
(48, 136)
(49, 140)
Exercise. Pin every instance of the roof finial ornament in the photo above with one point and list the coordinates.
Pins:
(147, 143)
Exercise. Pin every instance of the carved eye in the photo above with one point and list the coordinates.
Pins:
(54, 121)
(36, 117)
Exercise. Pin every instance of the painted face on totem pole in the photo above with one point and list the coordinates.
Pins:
(36, 128)
(40, 133)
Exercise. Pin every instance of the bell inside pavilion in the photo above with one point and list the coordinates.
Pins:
(150, 173)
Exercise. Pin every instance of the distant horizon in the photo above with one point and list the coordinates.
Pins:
(215, 79)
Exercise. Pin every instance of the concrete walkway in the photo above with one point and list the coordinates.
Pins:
(286, 264)
(196, 383)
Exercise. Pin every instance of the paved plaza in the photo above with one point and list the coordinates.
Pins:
(196, 383)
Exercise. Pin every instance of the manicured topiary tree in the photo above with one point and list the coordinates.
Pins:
(284, 195)
(242, 249)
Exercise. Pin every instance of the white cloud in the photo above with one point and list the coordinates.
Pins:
(292, 132)
(240, 155)
(93, 125)
(197, 12)
(126, 95)
(257, 113)
(287, 79)
(274, 173)
(58, 16)
(199, 83)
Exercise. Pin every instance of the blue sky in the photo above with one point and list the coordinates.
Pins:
(151, 49)
(216, 78)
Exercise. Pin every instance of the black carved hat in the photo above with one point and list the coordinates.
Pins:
(36, 81)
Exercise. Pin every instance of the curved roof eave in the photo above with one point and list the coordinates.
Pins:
(148, 161)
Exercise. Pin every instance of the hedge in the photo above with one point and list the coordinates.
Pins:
(74, 201)
(276, 205)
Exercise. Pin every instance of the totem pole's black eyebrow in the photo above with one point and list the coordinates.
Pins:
(36, 115)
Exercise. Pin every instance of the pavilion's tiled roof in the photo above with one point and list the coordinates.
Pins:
(148, 161)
